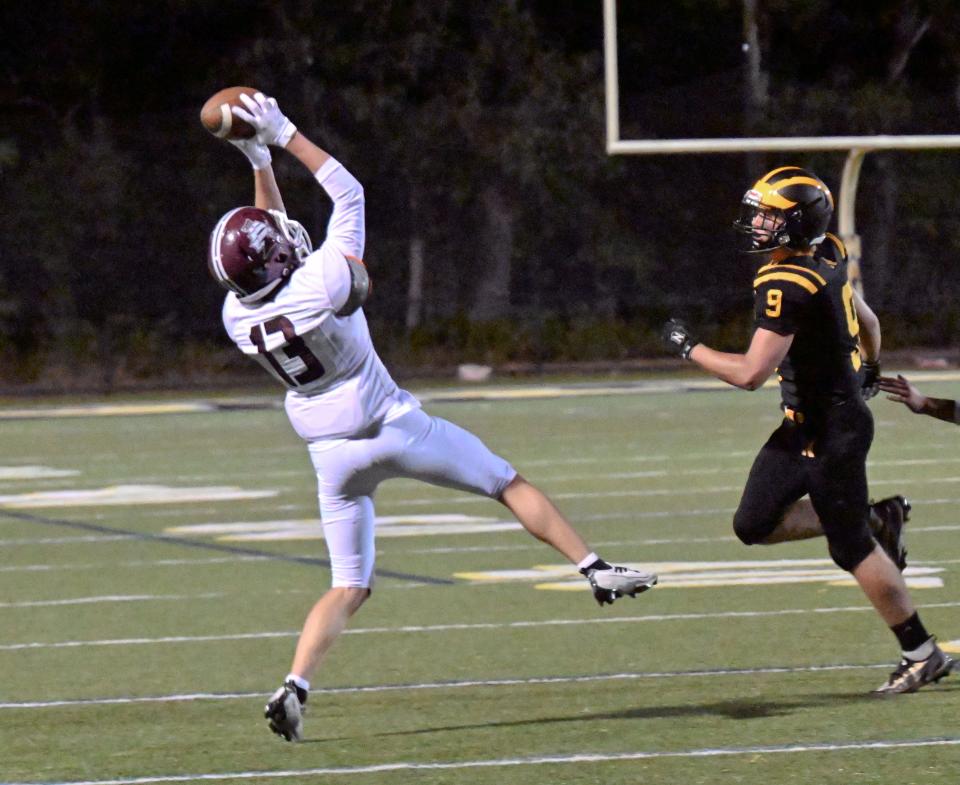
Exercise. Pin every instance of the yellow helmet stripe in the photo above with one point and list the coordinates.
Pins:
(806, 283)
(816, 276)
(773, 198)
(768, 175)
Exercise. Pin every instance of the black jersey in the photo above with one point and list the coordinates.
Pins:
(810, 298)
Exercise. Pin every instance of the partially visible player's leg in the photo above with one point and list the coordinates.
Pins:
(771, 509)
(839, 494)
(442, 453)
(346, 477)
(543, 520)
(348, 528)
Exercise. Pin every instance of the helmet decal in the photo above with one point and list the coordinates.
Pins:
(253, 252)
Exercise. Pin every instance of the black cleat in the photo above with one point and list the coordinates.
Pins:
(284, 711)
(911, 675)
(887, 518)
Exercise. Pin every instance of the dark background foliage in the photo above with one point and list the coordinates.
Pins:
(478, 132)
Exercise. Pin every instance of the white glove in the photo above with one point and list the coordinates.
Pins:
(257, 154)
(264, 115)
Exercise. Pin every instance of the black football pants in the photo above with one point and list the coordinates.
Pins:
(824, 457)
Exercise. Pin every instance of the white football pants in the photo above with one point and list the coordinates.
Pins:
(414, 445)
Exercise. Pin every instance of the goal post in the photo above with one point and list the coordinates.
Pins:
(857, 146)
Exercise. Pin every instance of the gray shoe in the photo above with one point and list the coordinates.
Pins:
(284, 711)
(887, 518)
(911, 675)
(610, 581)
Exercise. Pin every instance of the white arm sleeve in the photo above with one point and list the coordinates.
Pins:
(347, 228)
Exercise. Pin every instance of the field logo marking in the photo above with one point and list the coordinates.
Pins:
(687, 575)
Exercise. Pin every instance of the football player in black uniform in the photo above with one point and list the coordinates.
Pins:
(810, 479)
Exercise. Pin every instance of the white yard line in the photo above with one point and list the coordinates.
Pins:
(137, 563)
(109, 598)
(577, 759)
(458, 684)
(405, 629)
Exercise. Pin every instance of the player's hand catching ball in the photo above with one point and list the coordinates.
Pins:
(678, 338)
(272, 125)
(257, 154)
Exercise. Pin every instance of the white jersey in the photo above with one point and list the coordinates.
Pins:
(337, 386)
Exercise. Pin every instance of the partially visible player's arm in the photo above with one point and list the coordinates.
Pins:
(902, 391)
(748, 371)
(266, 193)
(347, 227)
(869, 330)
(265, 190)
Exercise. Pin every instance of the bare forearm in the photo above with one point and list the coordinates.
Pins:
(266, 193)
(309, 154)
(941, 408)
(731, 368)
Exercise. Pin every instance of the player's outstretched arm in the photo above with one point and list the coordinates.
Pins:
(902, 391)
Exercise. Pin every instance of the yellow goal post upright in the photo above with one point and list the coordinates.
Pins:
(857, 146)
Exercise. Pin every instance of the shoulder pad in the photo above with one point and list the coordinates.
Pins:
(359, 286)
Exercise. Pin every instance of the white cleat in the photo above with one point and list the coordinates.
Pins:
(610, 582)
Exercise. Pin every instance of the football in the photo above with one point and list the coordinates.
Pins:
(218, 118)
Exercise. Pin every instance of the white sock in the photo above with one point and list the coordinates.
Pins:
(587, 560)
(303, 684)
(921, 652)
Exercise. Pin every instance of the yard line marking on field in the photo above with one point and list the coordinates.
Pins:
(459, 684)
(130, 495)
(34, 473)
(66, 540)
(458, 627)
(110, 598)
(578, 758)
(206, 545)
(134, 563)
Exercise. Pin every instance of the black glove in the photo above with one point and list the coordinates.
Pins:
(677, 338)
(870, 385)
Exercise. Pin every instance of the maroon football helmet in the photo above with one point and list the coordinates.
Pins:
(254, 252)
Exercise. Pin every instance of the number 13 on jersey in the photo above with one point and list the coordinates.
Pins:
(294, 348)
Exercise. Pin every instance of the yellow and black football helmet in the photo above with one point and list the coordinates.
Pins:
(788, 206)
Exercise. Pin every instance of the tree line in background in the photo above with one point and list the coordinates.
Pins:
(498, 228)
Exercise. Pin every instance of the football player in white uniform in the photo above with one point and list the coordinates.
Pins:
(297, 311)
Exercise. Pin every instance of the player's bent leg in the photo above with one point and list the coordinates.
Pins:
(543, 520)
(439, 452)
(776, 483)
